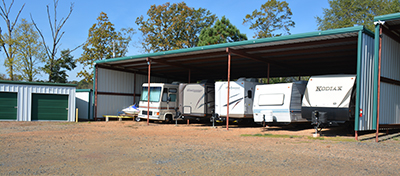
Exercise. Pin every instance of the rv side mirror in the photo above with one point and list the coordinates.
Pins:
(169, 98)
(249, 94)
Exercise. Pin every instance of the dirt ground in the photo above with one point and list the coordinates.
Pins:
(133, 148)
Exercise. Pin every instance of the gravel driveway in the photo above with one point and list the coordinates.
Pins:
(133, 148)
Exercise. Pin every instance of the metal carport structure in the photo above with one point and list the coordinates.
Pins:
(387, 89)
(316, 53)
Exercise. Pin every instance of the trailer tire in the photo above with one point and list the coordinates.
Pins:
(137, 119)
(168, 118)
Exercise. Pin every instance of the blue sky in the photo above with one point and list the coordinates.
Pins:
(123, 13)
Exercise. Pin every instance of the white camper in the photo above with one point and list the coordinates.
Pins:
(334, 95)
(163, 101)
(279, 103)
(240, 98)
(197, 99)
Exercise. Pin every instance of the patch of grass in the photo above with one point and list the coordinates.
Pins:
(271, 135)
(202, 128)
(332, 139)
(315, 138)
(340, 139)
(130, 126)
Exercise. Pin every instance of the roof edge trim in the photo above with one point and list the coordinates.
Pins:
(83, 90)
(37, 83)
(368, 32)
(387, 17)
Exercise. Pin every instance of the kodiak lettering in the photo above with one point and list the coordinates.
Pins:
(329, 88)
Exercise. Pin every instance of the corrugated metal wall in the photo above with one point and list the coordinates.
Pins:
(84, 105)
(366, 81)
(389, 106)
(111, 81)
(25, 97)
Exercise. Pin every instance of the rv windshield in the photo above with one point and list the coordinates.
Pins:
(155, 94)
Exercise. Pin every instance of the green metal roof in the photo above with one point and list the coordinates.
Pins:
(37, 83)
(247, 42)
(314, 53)
(393, 16)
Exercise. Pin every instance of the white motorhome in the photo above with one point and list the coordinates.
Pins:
(334, 95)
(163, 101)
(279, 103)
(240, 98)
(197, 99)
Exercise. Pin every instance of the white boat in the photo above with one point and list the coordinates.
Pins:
(131, 110)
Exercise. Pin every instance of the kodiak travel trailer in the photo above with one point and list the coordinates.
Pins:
(279, 103)
(329, 100)
(163, 101)
(240, 98)
(196, 99)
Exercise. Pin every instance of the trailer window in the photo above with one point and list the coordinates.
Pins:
(172, 90)
(165, 95)
(271, 99)
(173, 97)
(155, 93)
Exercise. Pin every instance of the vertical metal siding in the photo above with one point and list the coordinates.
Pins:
(25, 98)
(366, 84)
(389, 106)
(83, 104)
(112, 81)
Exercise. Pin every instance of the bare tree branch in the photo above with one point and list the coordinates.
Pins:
(15, 21)
(41, 35)
(8, 42)
(49, 18)
(56, 34)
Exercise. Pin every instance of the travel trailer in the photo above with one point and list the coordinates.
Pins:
(163, 101)
(329, 99)
(279, 103)
(197, 99)
(240, 98)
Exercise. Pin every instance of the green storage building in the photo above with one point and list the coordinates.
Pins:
(34, 101)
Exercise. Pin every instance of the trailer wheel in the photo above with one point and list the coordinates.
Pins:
(168, 118)
(137, 119)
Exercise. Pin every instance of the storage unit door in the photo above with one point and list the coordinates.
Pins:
(49, 107)
(8, 106)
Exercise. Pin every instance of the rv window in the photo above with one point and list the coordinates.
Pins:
(271, 99)
(172, 90)
(249, 94)
(172, 97)
(165, 95)
(155, 93)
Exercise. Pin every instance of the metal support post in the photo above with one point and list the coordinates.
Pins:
(229, 79)
(379, 83)
(148, 90)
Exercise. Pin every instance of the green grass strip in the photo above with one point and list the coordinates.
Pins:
(271, 135)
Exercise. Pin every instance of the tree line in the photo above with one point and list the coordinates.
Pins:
(164, 27)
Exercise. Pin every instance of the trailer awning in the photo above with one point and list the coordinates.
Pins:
(315, 53)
